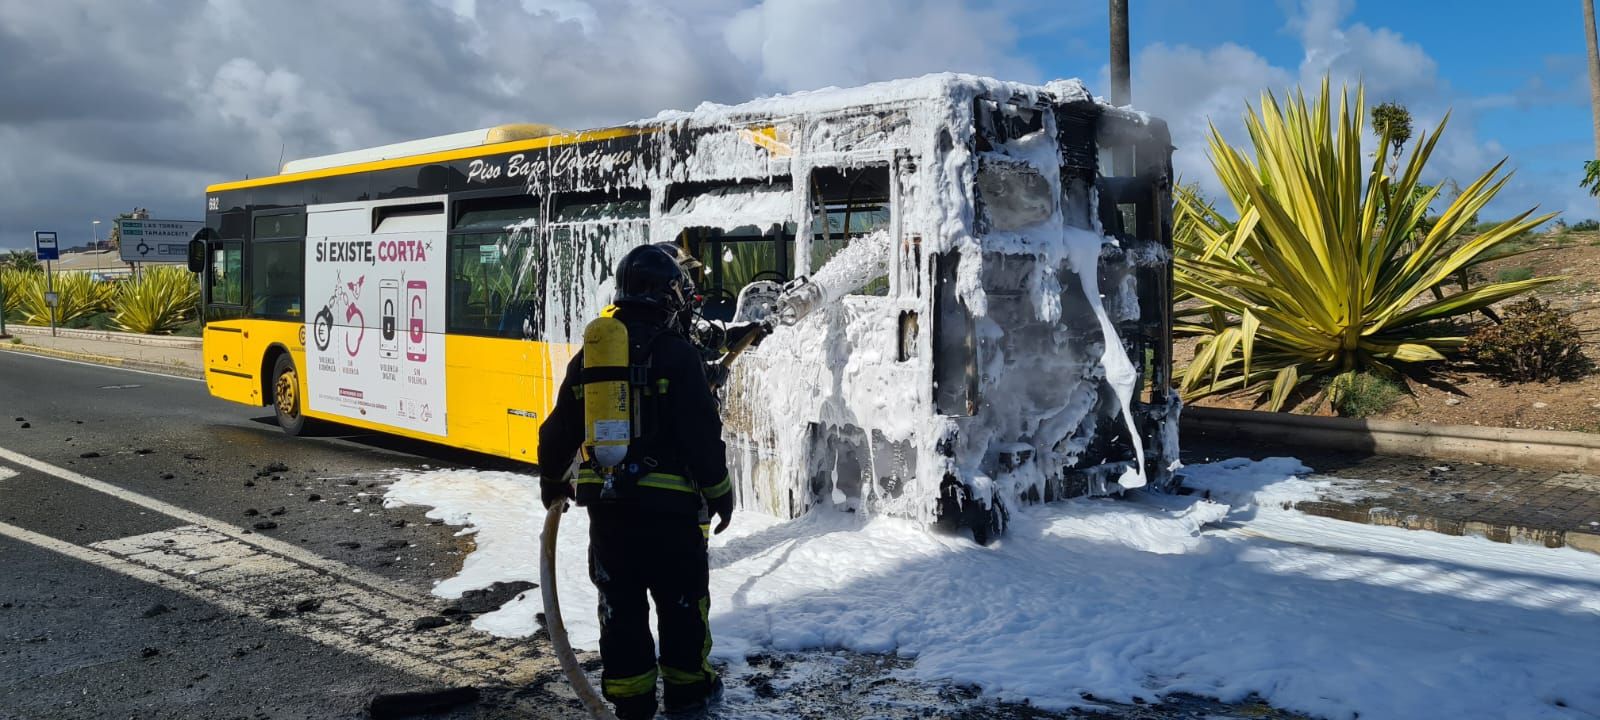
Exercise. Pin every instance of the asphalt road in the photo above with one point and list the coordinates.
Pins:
(91, 458)
(164, 554)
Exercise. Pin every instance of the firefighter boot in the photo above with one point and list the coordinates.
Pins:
(682, 704)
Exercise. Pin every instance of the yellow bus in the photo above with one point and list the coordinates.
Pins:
(1012, 345)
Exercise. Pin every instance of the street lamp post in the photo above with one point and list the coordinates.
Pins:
(94, 230)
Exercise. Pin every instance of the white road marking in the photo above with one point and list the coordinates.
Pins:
(7, 473)
(279, 547)
(221, 570)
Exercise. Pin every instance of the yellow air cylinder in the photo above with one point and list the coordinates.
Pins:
(607, 401)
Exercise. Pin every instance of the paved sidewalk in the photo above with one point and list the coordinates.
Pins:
(1504, 504)
(182, 359)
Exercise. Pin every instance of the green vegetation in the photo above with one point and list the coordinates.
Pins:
(12, 282)
(1516, 274)
(22, 260)
(1591, 176)
(160, 300)
(1535, 343)
(1391, 123)
(1590, 225)
(1307, 284)
(80, 297)
(1359, 395)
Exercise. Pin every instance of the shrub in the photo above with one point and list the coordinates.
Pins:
(1359, 395)
(1585, 226)
(160, 300)
(1516, 274)
(1302, 282)
(1534, 343)
(12, 285)
(79, 296)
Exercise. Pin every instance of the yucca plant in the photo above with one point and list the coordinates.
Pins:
(1328, 268)
(79, 296)
(157, 302)
(12, 282)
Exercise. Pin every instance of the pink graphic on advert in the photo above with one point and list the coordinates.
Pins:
(416, 337)
(353, 316)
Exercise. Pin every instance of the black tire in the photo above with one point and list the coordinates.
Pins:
(286, 396)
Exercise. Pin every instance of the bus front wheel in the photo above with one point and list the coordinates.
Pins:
(286, 395)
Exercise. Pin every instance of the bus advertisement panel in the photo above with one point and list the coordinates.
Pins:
(374, 348)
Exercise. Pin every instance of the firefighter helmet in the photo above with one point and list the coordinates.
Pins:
(650, 275)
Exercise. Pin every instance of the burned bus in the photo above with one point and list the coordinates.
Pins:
(987, 267)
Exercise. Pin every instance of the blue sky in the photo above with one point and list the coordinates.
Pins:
(1515, 80)
(95, 128)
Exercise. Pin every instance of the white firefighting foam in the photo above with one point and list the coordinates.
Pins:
(1091, 598)
(841, 407)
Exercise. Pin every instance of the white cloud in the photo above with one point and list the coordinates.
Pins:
(1190, 86)
(112, 105)
(796, 44)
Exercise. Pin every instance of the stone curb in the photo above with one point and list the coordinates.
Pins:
(110, 336)
(1497, 532)
(129, 363)
(1547, 449)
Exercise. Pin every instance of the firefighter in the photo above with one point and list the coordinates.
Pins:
(713, 339)
(645, 532)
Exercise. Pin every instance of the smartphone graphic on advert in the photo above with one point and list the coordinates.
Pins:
(389, 310)
(416, 315)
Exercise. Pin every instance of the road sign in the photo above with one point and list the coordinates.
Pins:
(161, 241)
(44, 246)
(52, 299)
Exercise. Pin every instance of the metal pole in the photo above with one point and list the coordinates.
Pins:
(50, 289)
(3, 334)
(1121, 79)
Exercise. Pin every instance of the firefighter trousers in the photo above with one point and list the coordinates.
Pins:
(632, 552)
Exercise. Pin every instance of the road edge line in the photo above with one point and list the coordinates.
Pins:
(289, 550)
(108, 561)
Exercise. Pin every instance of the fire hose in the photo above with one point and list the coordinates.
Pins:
(552, 617)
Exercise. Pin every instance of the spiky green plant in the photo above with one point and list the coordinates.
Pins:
(1326, 271)
(79, 296)
(157, 302)
(12, 282)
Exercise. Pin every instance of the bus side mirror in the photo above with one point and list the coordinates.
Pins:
(197, 249)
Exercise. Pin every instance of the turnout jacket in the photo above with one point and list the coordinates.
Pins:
(678, 457)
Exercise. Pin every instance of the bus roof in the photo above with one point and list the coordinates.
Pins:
(518, 137)
(441, 143)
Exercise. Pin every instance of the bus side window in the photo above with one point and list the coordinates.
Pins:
(277, 265)
(739, 233)
(227, 273)
(491, 275)
(589, 232)
(731, 259)
(848, 203)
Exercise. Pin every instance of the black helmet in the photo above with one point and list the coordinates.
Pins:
(686, 263)
(649, 275)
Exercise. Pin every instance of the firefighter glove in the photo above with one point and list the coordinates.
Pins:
(551, 490)
(736, 333)
(722, 507)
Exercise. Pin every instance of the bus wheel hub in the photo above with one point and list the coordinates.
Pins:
(286, 394)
